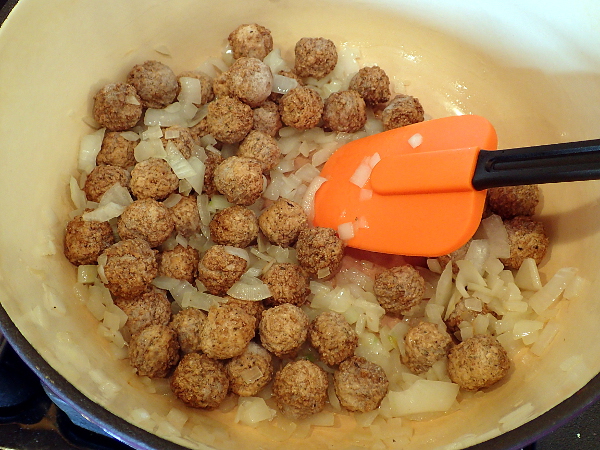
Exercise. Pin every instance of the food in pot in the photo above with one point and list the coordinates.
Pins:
(117, 106)
(188, 324)
(151, 307)
(155, 83)
(282, 222)
(425, 344)
(102, 178)
(301, 108)
(219, 270)
(154, 351)
(288, 283)
(333, 337)
(236, 226)
(527, 239)
(319, 249)
(240, 179)
(359, 384)
(251, 371)
(229, 120)
(399, 289)
(116, 150)
(512, 201)
(200, 381)
(262, 147)
(251, 41)
(146, 219)
(345, 111)
(85, 240)
(283, 329)
(372, 84)
(154, 179)
(402, 110)
(180, 263)
(227, 331)
(315, 57)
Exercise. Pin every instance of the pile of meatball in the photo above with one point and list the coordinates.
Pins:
(241, 346)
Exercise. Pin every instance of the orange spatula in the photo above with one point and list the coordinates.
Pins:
(419, 190)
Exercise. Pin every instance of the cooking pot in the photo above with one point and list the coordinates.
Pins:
(531, 67)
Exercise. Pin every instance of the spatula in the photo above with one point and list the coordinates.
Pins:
(420, 190)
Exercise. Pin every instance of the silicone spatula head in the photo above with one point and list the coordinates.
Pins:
(407, 191)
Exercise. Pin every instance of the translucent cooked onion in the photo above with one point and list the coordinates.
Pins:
(104, 213)
(191, 90)
(346, 231)
(77, 195)
(88, 150)
(239, 252)
(365, 194)
(415, 140)
(497, 236)
(196, 180)
(181, 167)
(361, 175)
(253, 292)
(282, 84)
(151, 148)
(116, 194)
(547, 295)
(308, 201)
(130, 136)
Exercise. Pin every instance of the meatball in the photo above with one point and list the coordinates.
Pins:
(102, 178)
(399, 289)
(512, 201)
(249, 372)
(360, 385)
(300, 389)
(146, 219)
(527, 239)
(315, 57)
(180, 137)
(227, 331)
(478, 362)
(251, 40)
(373, 85)
(200, 382)
(250, 80)
(116, 150)
(180, 263)
(283, 330)
(254, 308)
(240, 180)
(333, 337)
(130, 267)
(301, 108)
(219, 270)
(155, 83)
(262, 147)
(154, 351)
(188, 324)
(153, 178)
(117, 106)
(282, 222)
(221, 85)
(229, 120)
(213, 159)
(288, 283)
(425, 345)
(236, 226)
(266, 118)
(345, 111)
(199, 130)
(462, 314)
(401, 111)
(85, 240)
(319, 249)
(151, 307)
(206, 85)
(186, 216)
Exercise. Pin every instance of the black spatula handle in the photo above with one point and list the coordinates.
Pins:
(554, 163)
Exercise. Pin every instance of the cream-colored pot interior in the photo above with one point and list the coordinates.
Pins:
(532, 68)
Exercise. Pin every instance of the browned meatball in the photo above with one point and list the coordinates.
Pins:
(360, 385)
(266, 118)
(462, 314)
(282, 222)
(116, 150)
(102, 178)
(221, 85)
(155, 83)
(478, 362)
(227, 331)
(283, 330)
(229, 120)
(219, 270)
(251, 40)
(180, 263)
(527, 239)
(288, 283)
(333, 337)
(254, 308)
(146, 219)
(180, 137)
(300, 389)
(345, 111)
(186, 216)
(240, 180)
(315, 57)
(319, 249)
(398, 289)
(425, 345)
(511, 201)
(301, 108)
(199, 130)
(117, 106)
(206, 85)
(250, 80)
(236, 226)
(153, 178)
(188, 324)
(154, 351)
(262, 147)
(152, 307)
(213, 159)
(86, 239)
(200, 382)
(401, 111)
(249, 372)
(373, 85)
(130, 267)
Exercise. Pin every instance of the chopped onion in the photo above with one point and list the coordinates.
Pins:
(130, 136)
(423, 396)
(251, 374)
(191, 90)
(88, 150)
(152, 132)
(415, 140)
(374, 160)
(323, 273)
(132, 100)
(275, 62)
(151, 148)
(307, 172)
(346, 231)
(239, 252)
(116, 194)
(252, 410)
(87, 274)
(253, 292)
(197, 180)
(365, 194)
(547, 295)
(497, 236)
(528, 276)
(322, 155)
(104, 213)
(282, 84)
(172, 200)
(182, 168)
(172, 134)
(361, 175)
(308, 202)
(77, 195)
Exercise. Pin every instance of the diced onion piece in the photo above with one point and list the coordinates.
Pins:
(361, 222)
(478, 253)
(104, 213)
(282, 84)
(172, 134)
(415, 140)
(88, 150)
(252, 410)
(497, 236)
(151, 148)
(547, 295)
(175, 114)
(546, 336)
(374, 160)
(181, 167)
(197, 180)
(116, 194)
(203, 210)
(172, 200)
(239, 252)
(191, 90)
(423, 396)
(323, 273)
(361, 175)
(307, 172)
(321, 156)
(249, 288)
(525, 327)
(152, 132)
(77, 195)
(275, 62)
(528, 276)
(575, 288)
(130, 136)
(346, 231)
(87, 274)
(251, 374)
(308, 201)
(365, 194)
